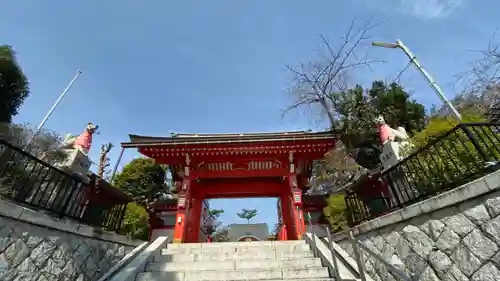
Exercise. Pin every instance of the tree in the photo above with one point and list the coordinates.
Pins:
(335, 212)
(247, 214)
(135, 222)
(214, 223)
(45, 145)
(359, 149)
(480, 84)
(323, 85)
(214, 228)
(145, 181)
(316, 83)
(22, 168)
(13, 85)
(142, 179)
(222, 235)
(104, 160)
(484, 72)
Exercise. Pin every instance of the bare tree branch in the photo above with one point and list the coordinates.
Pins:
(315, 83)
(485, 70)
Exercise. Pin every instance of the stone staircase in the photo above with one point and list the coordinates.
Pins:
(262, 261)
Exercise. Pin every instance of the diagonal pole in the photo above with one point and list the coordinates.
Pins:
(49, 113)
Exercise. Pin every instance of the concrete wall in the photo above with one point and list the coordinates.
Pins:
(452, 237)
(259, 230)
(35, 246)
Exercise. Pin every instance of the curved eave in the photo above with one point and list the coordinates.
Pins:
(137, 141)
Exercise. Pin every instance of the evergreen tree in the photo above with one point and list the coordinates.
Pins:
(13, 85)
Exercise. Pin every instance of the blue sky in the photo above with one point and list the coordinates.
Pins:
(153, 67)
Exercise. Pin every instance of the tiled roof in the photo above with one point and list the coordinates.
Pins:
(186, 139)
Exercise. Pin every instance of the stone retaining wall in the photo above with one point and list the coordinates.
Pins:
(38, 247)
(452, 237)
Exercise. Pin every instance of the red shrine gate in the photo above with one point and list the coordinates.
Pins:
(206, 166)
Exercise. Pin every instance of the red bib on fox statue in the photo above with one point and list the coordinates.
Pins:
(84, 140)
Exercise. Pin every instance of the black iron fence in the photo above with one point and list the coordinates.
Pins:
(34, 183)
(465, 153)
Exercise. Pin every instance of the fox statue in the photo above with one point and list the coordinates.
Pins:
(83, 142)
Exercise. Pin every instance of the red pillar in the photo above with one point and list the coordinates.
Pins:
(282, 233)
(194, 219)
(299, 220)
(292, 190)
(288, 217)
(182, 219)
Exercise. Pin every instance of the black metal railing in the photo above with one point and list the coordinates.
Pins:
(465, 153)
(34, 183)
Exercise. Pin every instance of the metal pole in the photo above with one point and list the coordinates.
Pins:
(357, 254)
(440, 93)
(49, 113)
(334, 256)
(429, 79)
(312, 234)
(116, 165)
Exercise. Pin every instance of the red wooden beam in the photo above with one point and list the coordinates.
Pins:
(238, 188)
(277, 172)
(302, 148)
(240, 158)
(240, 195)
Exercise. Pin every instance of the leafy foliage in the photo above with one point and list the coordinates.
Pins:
(146, 182)
(356, 110)
(335, 212)
(439, 125)
(222, 235)
(13, 85)
(447, 160)
(214, 223)
(135, 222)
(247, 214)
(142, 178)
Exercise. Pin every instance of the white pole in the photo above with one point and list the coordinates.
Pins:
(49, 113)
(399, 44)
(429, 79)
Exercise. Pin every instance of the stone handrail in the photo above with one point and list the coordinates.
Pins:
(136, 264)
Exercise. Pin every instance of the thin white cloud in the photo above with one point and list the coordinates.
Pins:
(429, 9)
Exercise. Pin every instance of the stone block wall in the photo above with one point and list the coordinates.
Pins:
(452, 237)
(37, 247)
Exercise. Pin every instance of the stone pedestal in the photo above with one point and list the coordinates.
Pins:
(390, 154)
(76, 161)
(400, 190)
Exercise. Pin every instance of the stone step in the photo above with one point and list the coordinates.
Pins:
(238, 249)
(248, 274)
(234, 264)
(157, 276)
(269, 255)
(236, 244)
(255, 254)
